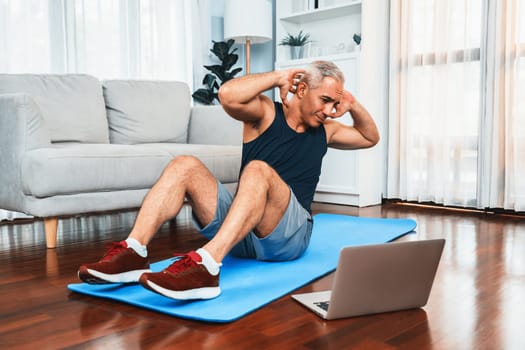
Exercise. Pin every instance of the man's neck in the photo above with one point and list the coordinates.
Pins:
(293, 117)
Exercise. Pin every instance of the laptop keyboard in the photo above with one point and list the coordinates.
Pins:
(322, 304)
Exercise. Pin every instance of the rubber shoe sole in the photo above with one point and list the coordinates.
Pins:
(96, 277)
(198, 293)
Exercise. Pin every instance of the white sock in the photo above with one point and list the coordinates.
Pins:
(211, 265)
(137, 247)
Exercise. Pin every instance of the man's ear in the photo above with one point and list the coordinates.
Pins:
(302, 87)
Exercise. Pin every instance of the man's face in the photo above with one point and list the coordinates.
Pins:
(318, 103)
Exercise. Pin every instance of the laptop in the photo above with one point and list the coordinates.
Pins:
(378, 278)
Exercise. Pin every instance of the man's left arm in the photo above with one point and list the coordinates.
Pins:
(364, 132)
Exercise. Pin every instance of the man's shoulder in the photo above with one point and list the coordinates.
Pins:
(254, 128)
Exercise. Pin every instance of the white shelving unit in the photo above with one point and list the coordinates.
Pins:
(329, 12)
(348, 177)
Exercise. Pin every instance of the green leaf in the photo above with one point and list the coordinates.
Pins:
(218, 70)
(229, 61)
(209, 80)
(231, 75)
(204, 96)
(230, 43)
(220, 49)
(235, 71)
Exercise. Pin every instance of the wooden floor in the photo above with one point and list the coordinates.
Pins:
(478, 299)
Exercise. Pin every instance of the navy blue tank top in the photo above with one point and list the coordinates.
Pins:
(297, 157)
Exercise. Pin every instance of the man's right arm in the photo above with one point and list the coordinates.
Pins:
(243, 97)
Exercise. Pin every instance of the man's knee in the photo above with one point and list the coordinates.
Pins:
(258, 168)
(182, 165)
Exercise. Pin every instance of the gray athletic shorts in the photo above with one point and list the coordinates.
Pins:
(288, 241)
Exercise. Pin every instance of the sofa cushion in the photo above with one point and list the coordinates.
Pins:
(81, 168)
(223, 161)
(147, 111)
(72, 105)
(211, 125)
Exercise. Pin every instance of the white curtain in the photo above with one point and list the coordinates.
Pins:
(503, 125)
(455, 113)
(138, 39)
(201, 22)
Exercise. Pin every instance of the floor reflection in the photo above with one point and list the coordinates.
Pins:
(96, 227)
(52, 269)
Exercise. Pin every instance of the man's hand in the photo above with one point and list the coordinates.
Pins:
(288, 83)
(345, 105)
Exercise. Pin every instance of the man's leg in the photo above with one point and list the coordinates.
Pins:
(184, 177)
(261, 200)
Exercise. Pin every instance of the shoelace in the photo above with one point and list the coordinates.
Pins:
(184, 262)
(113, 249)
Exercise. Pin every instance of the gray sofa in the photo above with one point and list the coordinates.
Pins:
(71, 144)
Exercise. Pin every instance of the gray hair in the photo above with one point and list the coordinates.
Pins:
(318, 70)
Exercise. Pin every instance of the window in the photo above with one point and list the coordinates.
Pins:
(455, 86)
(105, 38)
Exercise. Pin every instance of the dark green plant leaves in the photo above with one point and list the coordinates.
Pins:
(300, 39)
(219, 72)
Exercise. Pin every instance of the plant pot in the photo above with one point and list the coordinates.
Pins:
(296, 52)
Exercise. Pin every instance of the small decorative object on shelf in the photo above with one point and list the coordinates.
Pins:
(296, 43)
(357, 38)
(220, 72)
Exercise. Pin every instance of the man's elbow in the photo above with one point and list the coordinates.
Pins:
(225, 95)
(371, 141)
(375, 140)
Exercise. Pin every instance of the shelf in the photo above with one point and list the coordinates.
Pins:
(324, 13)
(332, 26)
(306, 60)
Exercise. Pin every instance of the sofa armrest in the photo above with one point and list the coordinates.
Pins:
(22, 129)
(211, 125)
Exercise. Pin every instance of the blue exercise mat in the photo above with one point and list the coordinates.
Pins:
(247, 284)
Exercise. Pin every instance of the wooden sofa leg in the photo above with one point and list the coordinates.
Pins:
(51, 232)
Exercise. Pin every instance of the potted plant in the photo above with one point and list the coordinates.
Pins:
(219, 72)
(296, 43)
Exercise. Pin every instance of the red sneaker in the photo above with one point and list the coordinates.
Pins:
(120, 264)
(187, 278)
